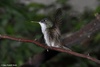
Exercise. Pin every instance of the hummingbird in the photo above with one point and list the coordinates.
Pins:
(51, 31)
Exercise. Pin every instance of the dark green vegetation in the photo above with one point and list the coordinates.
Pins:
(15, 20)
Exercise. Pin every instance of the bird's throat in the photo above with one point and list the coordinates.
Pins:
(51, 35)
(45, 33)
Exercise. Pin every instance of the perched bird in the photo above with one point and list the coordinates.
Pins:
(51, 31)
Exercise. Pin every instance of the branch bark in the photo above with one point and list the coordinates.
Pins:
(52, 48)
(86, 32)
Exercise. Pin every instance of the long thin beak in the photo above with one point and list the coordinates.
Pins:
(34, 21)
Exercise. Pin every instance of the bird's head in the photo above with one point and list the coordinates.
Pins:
(46, 22)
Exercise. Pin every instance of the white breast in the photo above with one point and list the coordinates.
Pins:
(45, 33)
(43, 28)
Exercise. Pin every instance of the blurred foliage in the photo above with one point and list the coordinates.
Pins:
(15, 20)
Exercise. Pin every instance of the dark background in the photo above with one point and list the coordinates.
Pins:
(15, 20)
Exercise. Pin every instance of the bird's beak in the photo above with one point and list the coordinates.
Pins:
(34, 22)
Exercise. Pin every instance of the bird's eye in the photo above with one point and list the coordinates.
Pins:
(44, 20)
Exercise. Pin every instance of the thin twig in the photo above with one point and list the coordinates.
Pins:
(57, 49)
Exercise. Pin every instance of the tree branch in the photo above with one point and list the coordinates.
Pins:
(86, 32)
(53, 48)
